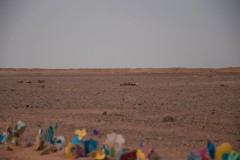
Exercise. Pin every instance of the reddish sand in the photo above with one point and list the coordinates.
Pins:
(204, 105)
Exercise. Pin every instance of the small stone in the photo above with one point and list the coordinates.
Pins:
(41, 81)
(9, 148)
(29, 82)
(19, 81)
(168, 119)
(27, 106)
(104, 113)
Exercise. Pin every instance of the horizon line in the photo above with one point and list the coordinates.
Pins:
(126, 70)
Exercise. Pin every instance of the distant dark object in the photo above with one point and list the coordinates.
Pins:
(104, 113)
(213, 111)
(128, 84)
(42, 86)
(41, 81)
(28, 81)
(27, 106)
(222, 85)
(19, 81)
(168, 119)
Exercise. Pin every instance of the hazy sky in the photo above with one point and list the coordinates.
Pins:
(123, 33)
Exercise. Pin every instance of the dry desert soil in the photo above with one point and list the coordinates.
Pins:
(175, 110)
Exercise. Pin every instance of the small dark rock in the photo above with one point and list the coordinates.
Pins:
(213, 112)
(9, 148)
(168, 119)
(19, 81)
(139, 104)
(41, 81)
(12, 90)
(27, 106)
(4, 90)
(104, 113)
(29, 82)
(222, 85)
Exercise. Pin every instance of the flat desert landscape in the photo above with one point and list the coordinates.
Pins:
(174, 110)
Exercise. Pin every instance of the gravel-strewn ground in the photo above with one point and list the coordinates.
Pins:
(175, 112)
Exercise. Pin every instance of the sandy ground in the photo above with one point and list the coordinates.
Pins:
(204, 105)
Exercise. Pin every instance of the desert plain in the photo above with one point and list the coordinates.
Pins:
(173, 110)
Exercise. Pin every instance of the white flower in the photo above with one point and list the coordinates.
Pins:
(115, 141)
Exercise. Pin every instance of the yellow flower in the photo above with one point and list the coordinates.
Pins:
(223, 148)
(96, 155)
(68, 150)
(140, 154)
(81, 133)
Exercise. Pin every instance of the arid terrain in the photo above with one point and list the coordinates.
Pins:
(175, 110)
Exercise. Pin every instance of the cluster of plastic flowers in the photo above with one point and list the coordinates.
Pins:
(222, 152)
(47, 141)
(13, 133)
(111, 149)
